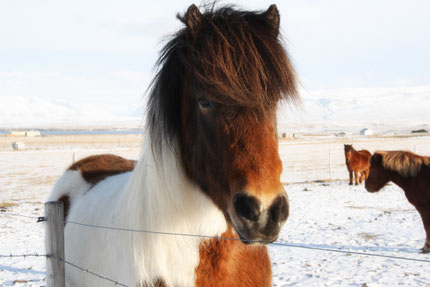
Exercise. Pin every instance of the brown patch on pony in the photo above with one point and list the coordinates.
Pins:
(66, 205)
(254, 157)
(226, 263)
(98, 167)
(406, 163)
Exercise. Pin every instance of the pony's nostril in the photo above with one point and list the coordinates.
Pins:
(279, 209)
(246, 206)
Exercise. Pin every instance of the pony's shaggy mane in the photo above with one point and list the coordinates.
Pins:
(404, 162)
(234, 57)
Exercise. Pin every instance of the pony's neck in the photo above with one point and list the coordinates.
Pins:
(162, 192)
(159, 198)
(401, 181)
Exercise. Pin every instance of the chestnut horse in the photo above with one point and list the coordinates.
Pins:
(410, 172)
(209, 165)
(357, 162)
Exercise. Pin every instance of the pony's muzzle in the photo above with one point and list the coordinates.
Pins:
(256, 223)
(368, 186)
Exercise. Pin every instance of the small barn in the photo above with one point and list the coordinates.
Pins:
(366, 132)
(18, 145)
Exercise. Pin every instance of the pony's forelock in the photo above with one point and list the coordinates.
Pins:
(234, 53)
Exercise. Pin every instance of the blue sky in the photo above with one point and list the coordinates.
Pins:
(104, 51)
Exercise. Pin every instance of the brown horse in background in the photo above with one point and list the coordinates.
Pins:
(357, 162)
(410, 172)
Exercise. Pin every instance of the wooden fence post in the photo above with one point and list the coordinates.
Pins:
(54, 215)
(329, 164)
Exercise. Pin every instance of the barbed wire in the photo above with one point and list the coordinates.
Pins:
(22, 255)
(65, 262)
(335, 250)
(19, 215)
(87, 271)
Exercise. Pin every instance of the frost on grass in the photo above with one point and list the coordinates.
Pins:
(6, 205)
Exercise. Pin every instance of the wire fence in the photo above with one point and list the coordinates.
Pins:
(22, 255)
(294, 245)
(49, 256)
(87, 271)
(333, 249)
(65, 262)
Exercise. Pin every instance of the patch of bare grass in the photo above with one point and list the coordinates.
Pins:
(39, 180)
(385, 211)
(5, 205)
(368, 236)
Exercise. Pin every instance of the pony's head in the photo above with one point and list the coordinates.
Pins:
(216, 95)
(348, 150)
(378, 174)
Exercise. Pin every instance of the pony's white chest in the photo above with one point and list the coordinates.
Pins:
(165, 201)
(174, 256)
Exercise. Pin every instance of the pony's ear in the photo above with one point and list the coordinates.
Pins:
(273, 18)
(193, 18)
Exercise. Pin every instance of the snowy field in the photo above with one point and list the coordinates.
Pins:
(324, 214)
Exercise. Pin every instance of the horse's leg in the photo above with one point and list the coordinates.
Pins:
(425, 216)
(356, 177)
(362, 176)
(366, 173)
(350, 177)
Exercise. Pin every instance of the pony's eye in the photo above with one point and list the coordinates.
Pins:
(205, 104)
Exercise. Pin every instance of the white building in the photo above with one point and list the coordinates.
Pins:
(366, 132)
(18, 145)
(32, 134)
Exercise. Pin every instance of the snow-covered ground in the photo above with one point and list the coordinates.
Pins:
(336, 216)
(324, 214)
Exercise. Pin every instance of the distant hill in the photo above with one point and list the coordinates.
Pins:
(37, 112)
(401, 109)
